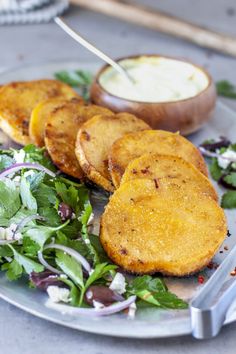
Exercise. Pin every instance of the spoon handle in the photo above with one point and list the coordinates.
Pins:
(210, 306)
(78, 38)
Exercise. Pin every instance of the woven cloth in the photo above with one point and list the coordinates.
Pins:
(30, 11)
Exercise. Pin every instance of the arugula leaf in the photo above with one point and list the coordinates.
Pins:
(226, 89)
(70, 267)
(10, 199)
(27, 198)
(215, 170)
(28, 264)
(99, 272)
(5, 161)
(231, 179)
(228, 200)
(14, 270)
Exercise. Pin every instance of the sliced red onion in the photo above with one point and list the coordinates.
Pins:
(46, 264)
(27, 219)
(76, 255)
(93, 312)
(19, 166)
(215, 154)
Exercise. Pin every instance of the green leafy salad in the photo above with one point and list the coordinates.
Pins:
(222, 156)
(46, 239)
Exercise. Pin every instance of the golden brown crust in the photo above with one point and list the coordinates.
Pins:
(61, 130)
(40, 114)
(171, 168)
(18, 99)
(171, 230)
(94, 142)
(134, 145)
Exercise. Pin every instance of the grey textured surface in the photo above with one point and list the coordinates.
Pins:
(21, 45)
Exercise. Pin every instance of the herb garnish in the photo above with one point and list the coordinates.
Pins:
(79, 79)
(226, 89)
(223, 167)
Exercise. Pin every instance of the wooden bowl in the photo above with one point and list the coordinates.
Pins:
(185, 116)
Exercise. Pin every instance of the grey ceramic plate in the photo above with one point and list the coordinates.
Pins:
(148, 323)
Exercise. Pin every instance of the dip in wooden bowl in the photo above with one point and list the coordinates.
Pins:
(167, 93)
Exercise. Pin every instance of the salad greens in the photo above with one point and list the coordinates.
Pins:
(41, 218)
(226, 89)
(222, 157)
(79, 79)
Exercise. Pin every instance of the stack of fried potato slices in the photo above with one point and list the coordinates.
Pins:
(163, 216)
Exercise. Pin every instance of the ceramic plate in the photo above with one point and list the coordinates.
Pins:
(148, 323)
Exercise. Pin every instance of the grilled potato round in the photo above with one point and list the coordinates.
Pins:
(94, 142)
(172, 168)
(18, 99)
(40, 114)
(136, 144)
(61, 130)
(148, 228)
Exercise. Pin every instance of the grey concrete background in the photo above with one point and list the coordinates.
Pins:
(22, 333)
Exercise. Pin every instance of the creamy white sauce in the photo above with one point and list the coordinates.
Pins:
(157, 79)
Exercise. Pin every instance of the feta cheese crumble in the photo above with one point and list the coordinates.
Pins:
(118, 284)
(19, 156)
(9, 233)
(132, 310)
(57, 294)
(98, 305)
(224, 163)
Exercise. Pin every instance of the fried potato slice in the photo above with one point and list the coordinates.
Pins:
(40, 114)
(136, 144)
(61, 130)
(94, 142)
(172, 168)
(148, 228)
(18, 99)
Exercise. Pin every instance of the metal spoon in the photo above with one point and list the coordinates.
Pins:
(76, 36)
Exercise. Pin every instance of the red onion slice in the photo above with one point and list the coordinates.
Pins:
(76, 255)
(215, 154)
(19, 166)
(47, 265)
(92, 312)
(27, 219)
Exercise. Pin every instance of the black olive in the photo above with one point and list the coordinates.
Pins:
(65, 211)
(102, 294)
